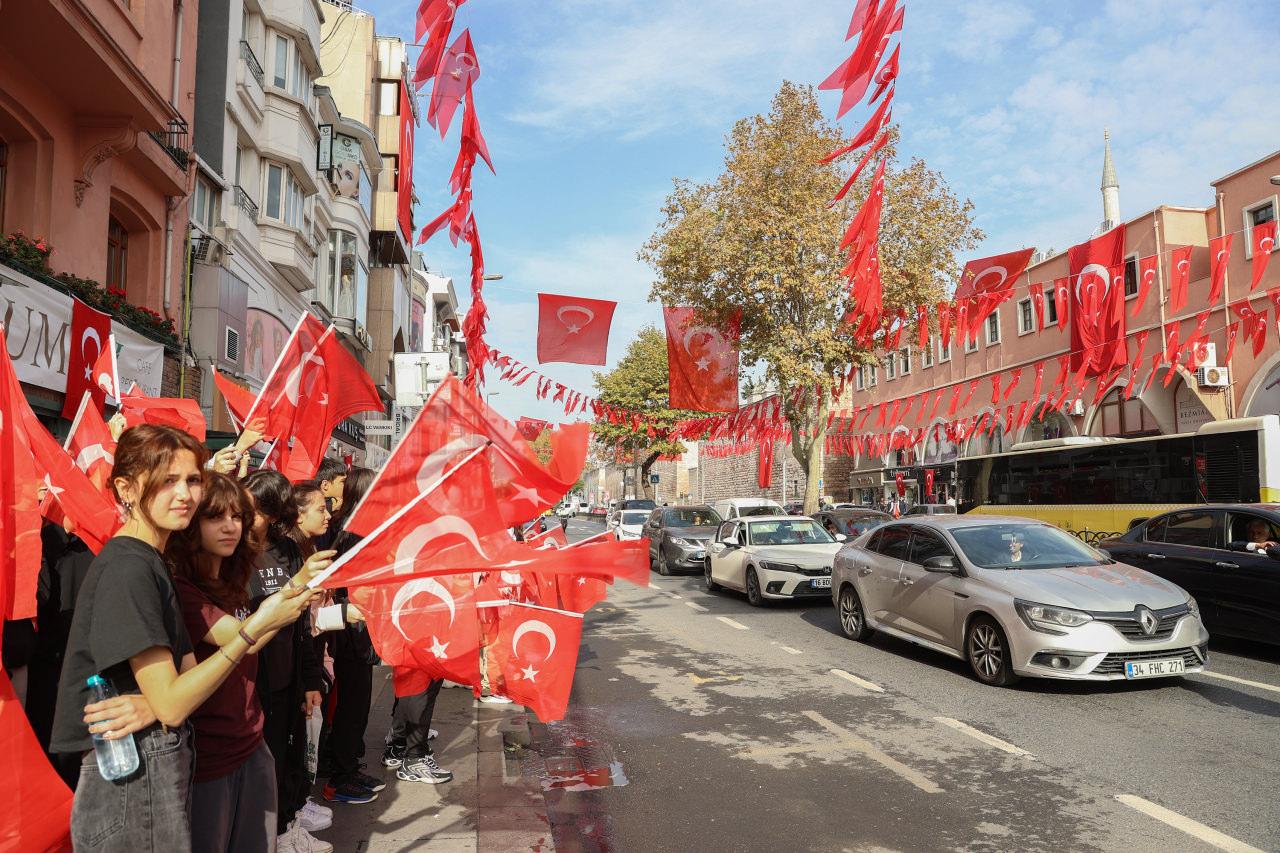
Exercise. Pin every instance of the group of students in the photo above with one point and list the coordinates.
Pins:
(199, 614)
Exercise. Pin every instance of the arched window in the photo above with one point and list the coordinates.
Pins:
(1121, 418)
(117, 253)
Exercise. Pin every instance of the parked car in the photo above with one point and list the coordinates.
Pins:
(851, 522)
(794, 507)
(1016, 597)
(738, 507)
(931, 509)
(772, 557)
(627, 523)
(678, 537)
(637, 503)
(1219, 554)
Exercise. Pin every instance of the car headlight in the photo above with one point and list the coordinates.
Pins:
(1193, 607)
(684, 543)
(1048, 619)
(779, 567)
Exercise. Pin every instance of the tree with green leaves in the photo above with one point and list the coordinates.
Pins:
(639, 384)
(763, 238)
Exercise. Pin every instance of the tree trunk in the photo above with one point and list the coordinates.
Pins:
(807, 440)
(646, 489)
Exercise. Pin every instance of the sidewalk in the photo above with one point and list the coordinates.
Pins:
(493, 805)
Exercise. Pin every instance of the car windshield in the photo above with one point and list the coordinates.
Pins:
(692, 517)
(760, 510)
(1024, 546)
(801, 531)
(633, 517)
(854, 527)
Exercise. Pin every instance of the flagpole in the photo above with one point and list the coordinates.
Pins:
(346, 558)
(279, 358)
(75, 423)
(115, 369)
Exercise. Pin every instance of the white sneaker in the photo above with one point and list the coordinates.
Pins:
(314, 817)
(432, 734)
(305, 842)
(495, 699)
(284, 843)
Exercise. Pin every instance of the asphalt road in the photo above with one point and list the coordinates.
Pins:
(712, 725)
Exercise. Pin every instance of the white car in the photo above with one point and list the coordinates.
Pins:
(739, 507)
(628, 523)
(772, 557)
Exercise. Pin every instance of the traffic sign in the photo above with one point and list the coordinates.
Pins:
(653, 478)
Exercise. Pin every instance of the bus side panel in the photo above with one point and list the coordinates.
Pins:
(1090, 522)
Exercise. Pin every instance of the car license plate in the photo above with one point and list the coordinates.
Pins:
(699, 555)
(1153, 668)
(820, 583)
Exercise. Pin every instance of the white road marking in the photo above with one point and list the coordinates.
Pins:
(861, 682)
(1194, 828)
(726, 620)
(654, 586)
(989, 740)
(790, 650)
(1258, 684)
(675, 595)
(852, 741)
(695, 605)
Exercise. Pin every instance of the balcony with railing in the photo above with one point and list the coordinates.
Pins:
(240, 198)
(175, 140)
(250, 86)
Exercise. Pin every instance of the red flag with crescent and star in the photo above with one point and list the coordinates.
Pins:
(459, 70)
(1264, 243)
(177, 412)
(985, 283)
(90, 331)
(1097, 307)
(278, 400)
(1146, 277)
(573, 329)
(702, 361)
(534, 656)
(1219, 258)
(106, 372)
(92, 448)
(453, 423)
(1179, 276)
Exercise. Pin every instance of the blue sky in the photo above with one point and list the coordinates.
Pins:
(591, 107)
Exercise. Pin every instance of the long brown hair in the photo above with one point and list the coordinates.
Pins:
(302, 494)
(230, 589)
(143, 456)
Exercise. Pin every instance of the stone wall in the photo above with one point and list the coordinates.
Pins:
(169, 385)
(737, 477)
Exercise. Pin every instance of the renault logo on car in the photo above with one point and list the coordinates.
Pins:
(1148, 620)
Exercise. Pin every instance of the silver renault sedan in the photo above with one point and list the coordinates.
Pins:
(1015, 597)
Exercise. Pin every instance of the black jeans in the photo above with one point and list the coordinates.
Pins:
(147, 811)
(354, 683)
(284, 731)
(411, 720)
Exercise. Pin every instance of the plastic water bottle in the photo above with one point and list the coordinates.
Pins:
(116, 758)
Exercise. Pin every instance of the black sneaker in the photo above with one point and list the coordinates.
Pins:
(393, 755)
(348, 792)
(423, 769)
(364, 780)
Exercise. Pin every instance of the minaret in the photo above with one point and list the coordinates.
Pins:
(1110, 186)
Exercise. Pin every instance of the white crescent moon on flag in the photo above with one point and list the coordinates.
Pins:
(537, 626)
(293, 382)
(574, 309)
(511, 578)
(104, 382)
(709, 332)
(90, 332)
(1266, 243)
(999, 270)
(1182, 265)
(414, 588)
(432, 468)
(409, 548)
(1096, 270)
(91, 454)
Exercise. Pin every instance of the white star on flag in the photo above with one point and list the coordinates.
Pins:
(528, 494)
(438, 648)
(530, 673)
(582, 581)
(573, 329)
(703, 363)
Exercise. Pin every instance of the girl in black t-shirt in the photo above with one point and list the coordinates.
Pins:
(128, 627)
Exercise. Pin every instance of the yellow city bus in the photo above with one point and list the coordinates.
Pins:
(1098, 487)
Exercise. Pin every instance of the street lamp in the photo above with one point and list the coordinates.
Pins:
(1275, 179)
(490, 395)
(495, 276)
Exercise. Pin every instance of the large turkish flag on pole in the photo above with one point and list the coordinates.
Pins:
(90, 333)
(985, 283)
(573, 329)
(337, 387)
(278, 399)
(1097, 307)
(535, 656)
(702, 362)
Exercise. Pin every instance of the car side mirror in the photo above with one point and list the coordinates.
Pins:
(840, 537)
(945, 564)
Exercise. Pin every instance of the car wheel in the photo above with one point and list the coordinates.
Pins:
(712, 586)
(663, 568)
(754, 597)
(987, 649)
(853, 621)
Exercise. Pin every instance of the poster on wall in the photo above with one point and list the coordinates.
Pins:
(345, 176)
(37, 320)
(267, 337)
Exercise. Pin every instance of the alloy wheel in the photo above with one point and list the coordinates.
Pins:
(989, 653)
(754, 598)
(851, 620)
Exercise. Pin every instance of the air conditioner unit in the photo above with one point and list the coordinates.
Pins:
(1212, 377)
(1077, 408)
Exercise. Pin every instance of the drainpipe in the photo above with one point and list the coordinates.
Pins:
(1226, 308)
(177, 53)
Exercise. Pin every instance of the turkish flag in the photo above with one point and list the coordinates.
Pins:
(531, 428)
(944, 324)
(19, 501)
(470, 146)
(1146, 277)
(985, 283)
(573, 329)
(901, 483)
(1219, 257)
(1097, 321)
(277, 402)
(764, 464)
(90, 332)
(178, 412)
(1062, 300)
(452, 424)
(886, 75)
(535, 656)
(427, 623)
(92, 448)
(433, 12)
(928, 481)
(552, 537)
(1179, 277)
(702, 361)
(428, 64)
(38, 816)
(1037, 303)
(580, 593)
(454, 527)
(106, 372)
(459, 70)
(1264, 243)
(238, 399)
(333, 387)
